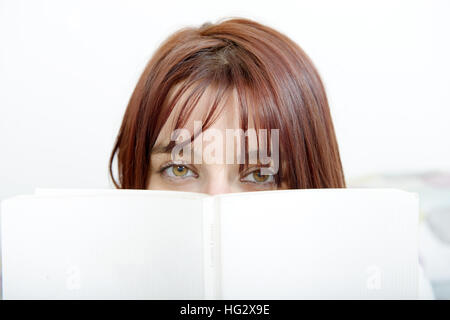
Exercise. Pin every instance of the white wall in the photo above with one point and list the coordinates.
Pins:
(68, 68)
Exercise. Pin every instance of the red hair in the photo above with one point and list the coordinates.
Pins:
(276, 82)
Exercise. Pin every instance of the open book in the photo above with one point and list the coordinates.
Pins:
(141, 244)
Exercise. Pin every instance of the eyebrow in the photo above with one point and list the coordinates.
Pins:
(161, 149)
(167, 149)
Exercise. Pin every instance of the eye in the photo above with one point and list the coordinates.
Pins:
(256, 177)
(178, 171)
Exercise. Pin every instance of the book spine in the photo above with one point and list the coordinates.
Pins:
(211, 248)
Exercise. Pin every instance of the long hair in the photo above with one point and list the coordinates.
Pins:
(276, 82)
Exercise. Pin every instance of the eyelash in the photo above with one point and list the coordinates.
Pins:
(271, 180)
(172, 164)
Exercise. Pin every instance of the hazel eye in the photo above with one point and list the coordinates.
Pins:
(257, 177)
(178, 171)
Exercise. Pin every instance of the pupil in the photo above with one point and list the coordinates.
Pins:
(180, 168)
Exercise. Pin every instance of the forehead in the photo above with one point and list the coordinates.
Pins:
(226, 115)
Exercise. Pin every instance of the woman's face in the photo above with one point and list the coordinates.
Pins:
(209, 170)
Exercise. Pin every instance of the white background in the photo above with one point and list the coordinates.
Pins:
(68, 68)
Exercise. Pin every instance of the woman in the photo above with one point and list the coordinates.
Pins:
(234, 75)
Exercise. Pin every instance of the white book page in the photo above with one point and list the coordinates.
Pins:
(319, 244)
(142, 192)
(121, 245)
